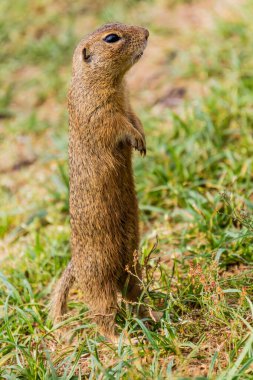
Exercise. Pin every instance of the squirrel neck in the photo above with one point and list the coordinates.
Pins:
(93, 93)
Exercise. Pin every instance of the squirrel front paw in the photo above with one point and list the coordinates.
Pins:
(137, 142)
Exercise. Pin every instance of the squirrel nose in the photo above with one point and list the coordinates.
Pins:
(146, 32)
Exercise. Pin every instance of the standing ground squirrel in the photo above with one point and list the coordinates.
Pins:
(103, 205)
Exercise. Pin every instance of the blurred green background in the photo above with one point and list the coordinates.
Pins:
(193, 91)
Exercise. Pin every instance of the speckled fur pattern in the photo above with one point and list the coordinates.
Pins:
(103, 130)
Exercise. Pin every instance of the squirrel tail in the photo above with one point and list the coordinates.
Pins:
(58, 304)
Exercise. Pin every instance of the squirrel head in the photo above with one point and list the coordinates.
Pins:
(107, 53)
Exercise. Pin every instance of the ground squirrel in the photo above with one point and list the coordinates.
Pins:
(103, 206)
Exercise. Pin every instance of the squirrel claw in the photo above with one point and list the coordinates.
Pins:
(143, 152)
(138, 144)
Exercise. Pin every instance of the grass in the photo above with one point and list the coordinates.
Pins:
(194, 189)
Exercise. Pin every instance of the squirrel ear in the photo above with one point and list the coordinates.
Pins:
(86, 54)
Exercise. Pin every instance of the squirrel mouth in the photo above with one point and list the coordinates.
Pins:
(140, 53)
(138, 56)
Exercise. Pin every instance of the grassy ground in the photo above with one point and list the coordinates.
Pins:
(193, 90)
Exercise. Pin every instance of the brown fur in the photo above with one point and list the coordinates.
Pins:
(103, 205)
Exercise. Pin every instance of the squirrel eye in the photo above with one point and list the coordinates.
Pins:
(110, 38)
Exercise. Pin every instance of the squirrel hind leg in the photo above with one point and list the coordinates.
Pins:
(103, 309)
(58, 304)
(131, 285)
(134, 293)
